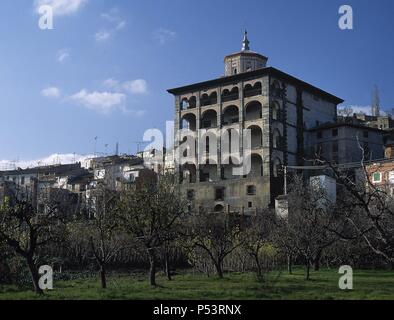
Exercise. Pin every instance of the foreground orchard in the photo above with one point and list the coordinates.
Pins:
(324, 285)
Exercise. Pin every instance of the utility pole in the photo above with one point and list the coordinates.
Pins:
(285, 178)
(95, 146)
(139, 144)
(117, 149)
(375, 108)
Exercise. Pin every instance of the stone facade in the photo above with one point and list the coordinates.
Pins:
(277, 109)
(341, 143)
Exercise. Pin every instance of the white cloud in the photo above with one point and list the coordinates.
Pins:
(51, 92)
(135, 113)
(103, 102)
(63, 55)
(138, 86)
(102, 36)
(121, 25)
(61, 7)
(133, 87)
(111, 83)
(112, 15)
(116, 22)
(53, 159)
(162, 36)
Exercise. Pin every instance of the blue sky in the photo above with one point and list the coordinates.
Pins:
(104, 69)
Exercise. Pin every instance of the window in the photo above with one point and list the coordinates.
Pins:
(391, 177)
(320, 134)
(207, 145)
(276, 168)
(219, 194)
(335, 132)
(251, 190)
(377, 177)
(222, 173)
(250, 204)
(190, 195)
(22, 180)
(206, 123)
(277, 140)
(335, 146)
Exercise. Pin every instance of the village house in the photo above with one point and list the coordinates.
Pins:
(381, 174)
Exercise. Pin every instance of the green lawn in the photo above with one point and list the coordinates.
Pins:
(324, 285)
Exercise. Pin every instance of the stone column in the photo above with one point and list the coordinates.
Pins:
(241, 119)
(177, 127)
(198, 126)
(219, 132)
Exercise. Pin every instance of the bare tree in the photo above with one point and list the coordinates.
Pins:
(215, 233)
(103, 232)
(150, 212)
(256, 237)
(25, 228)
(308, 228)
(368, 210)
(345, 112)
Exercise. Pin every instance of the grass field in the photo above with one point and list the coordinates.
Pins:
(324, 285)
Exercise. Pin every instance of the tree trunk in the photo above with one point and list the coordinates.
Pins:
(167, 264)
(219, 269)
(317, 261)
(289, 264)
(168, 270)
(35, 277)
(258, 265)
(308, 268)
(152, 271)
(103, 277)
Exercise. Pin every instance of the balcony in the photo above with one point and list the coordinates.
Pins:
(230, 97)
(230, 122)
(252, 93)
(208, 100)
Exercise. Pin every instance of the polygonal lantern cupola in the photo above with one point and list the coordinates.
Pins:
(244, 60)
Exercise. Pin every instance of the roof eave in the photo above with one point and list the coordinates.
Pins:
(261, 72)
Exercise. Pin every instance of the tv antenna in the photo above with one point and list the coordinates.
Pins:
(139, 145)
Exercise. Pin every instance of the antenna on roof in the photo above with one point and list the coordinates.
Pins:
(117, 149)
(375, 107)
(95, 146)
(139, 145)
